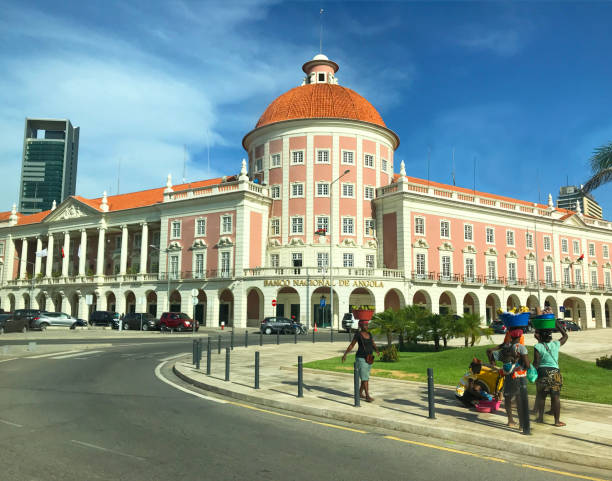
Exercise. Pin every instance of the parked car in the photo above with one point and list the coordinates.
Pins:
(178, 321)
(349, 322)
(46, 319)
(568, 325)
(140, 320)
(272, 325)
(9, 323)
(79, 323)
(104, 318)
(498, 327)
(27, 314)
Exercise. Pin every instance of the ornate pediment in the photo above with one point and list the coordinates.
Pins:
(593, 263)
(296, 241)
(70, 209)
(174, 246)
(469, 250)
(274, 243)
(491, 251)
(372, 243)
(225, 242)
(548, 258)
(607, 265)
(446, 246)
(566, 260)
(421, 244)
(511, 254)
(530, 257)
(199, 244)
(348, 243)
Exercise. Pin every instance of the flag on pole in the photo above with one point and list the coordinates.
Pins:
(41, 253)
(62, 252)
(581, 258)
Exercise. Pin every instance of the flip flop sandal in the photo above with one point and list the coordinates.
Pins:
(560, 424)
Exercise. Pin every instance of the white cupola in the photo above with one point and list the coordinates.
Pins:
(320, 70)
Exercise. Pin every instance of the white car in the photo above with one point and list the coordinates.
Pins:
(350, 323)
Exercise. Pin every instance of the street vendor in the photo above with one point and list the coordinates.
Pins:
(515, 361)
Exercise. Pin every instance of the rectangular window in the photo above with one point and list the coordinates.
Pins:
(446, 266)
(491, 270)
(276, 160)
(225, 264)
(323, 223)
(176, 229)
(566, 276)
(199, 266)
(531, 272)
(445, 229)
(226, 226)
(512, 271)
(297, 157)
(578, 276)
(607, 279)
(469, 268)
(529, 240)
(368, 193)
(369, 258)
(370, 228)
(576, 247)
(137, 240)
(118, 239)
(347, 157)
(275, 227)
(323, 156)
(548, 275)
(274, 260)
(201, 227)
(2, 248)
(419, 225)
(347, 260)
(275, 191)
(564, 246)
(605, 251)
(383, 165)
(258, 165)
(322, 189)
(592, 250)
(348, 190)
(322, 260)
(490, 235)
(420, 264)
(510, 238)
(174, 267)
(546, 243)
(593, 278)
(368, 160)
(468, 232)
(297, 190)
(296, 260)
(348, 226)
(297, 225)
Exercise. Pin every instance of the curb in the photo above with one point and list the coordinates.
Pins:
(515, 447)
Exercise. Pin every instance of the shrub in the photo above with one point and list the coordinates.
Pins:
(389, 354)
(604, 361)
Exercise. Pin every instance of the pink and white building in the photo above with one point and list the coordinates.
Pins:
(320, 161)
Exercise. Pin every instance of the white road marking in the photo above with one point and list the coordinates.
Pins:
(80, 353)
(169, 358)
(49, 354)
(10, 423)
(181, 388)
(93, 446)
(7, 360)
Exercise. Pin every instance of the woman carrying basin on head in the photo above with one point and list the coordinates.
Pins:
(364, 357)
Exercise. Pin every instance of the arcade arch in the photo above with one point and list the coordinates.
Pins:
(596, 313)
(491, 305)
(255, 307)
(321, 314)
(151, 300)
(422, 298)
(175, 301)
(448, 303)
(394, 299)
(576, 310)
(226, 307)
(471, 304)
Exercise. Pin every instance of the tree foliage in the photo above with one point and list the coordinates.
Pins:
(601, 166)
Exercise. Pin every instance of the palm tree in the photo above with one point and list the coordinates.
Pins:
(415, 322)
(469, 327)
(385, 322)
(601, 165)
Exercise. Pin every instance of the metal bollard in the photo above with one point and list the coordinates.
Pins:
(198, 353)
(227, 363)
(232, 339)
(300, 378)
(256, 369)
(430, 393)
(208, 356)
(278, 337)
(246, 338)
(524, 407)
(356, 384)
(194, 351)
(260, 338)
(313, 335)
(295, 337)
(219, 345)
(332, 333)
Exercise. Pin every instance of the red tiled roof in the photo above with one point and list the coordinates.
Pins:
(32, 218)
(320, 101)
(5, 215)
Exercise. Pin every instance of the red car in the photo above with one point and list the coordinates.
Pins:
(177, 321)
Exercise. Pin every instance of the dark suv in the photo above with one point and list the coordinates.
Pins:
(140, 320)
(177, 321)
(8, 323)
(104, 318)
(282, 325)
(26, 316)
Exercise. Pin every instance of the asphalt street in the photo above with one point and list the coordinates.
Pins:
(108, 414)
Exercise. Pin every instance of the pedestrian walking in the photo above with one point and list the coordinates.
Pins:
(364, 358)
(515, 361)
(550, 381)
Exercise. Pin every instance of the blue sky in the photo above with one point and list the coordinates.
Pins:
(523, 88)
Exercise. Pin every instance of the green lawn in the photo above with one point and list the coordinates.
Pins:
(582, 380)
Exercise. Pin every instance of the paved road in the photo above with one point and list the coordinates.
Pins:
(104, 414)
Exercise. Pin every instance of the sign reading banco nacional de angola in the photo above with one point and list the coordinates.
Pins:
(321, 283)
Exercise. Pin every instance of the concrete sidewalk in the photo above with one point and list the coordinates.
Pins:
(400, 405)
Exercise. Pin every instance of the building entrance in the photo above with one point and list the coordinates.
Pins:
(321, 315)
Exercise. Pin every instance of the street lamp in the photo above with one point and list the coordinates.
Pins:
(153, 246)
(331, 223)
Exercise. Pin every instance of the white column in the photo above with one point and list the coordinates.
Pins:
(23, 264)
(66, 258)
(144, 248)
(82, 307)
(49, 255)
(37, 260)
(100, 258)
(83, 252)
(212, 308)
(124, 249)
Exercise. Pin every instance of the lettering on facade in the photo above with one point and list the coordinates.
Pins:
(320, 283)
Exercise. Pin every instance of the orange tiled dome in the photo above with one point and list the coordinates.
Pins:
(320, 101)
